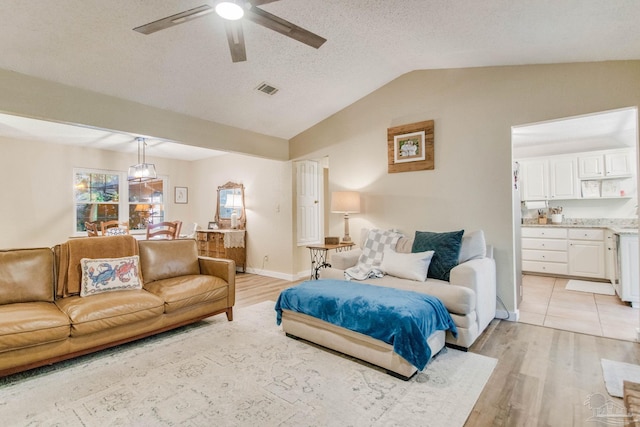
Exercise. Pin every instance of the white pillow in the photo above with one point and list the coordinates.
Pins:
(109, 274)
(473, 246)
(412, 266)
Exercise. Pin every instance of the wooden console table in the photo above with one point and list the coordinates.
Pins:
(319, 256)
(223, 243)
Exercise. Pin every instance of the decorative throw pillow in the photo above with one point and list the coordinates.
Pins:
(473, 246)
(446, 247)
(413, 266)
(109, 274)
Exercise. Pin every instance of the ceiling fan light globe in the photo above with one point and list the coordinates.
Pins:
(229, 10)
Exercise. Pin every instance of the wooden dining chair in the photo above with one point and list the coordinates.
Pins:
(164, 230)
(114, 228)
(92, 229)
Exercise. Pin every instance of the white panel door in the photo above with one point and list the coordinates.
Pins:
(308, 202)
(586, 259)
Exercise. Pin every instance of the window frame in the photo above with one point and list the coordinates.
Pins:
(123, 202)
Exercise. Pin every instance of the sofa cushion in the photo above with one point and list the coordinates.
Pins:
(29, 324)
(446, 247)
(163, 259)
(26, 275)
(473, 246)
(186, 291)
(109, 310)
(412, 266)
(109, 274)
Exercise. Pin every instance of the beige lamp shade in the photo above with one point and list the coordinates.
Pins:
(345, 202)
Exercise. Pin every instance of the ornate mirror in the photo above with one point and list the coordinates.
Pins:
(230, 209)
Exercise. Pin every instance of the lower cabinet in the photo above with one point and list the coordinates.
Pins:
(562, 251)
(586, 253)
(223, 243)
(628, 287)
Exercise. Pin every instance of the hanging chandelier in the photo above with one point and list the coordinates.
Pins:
(142, 171)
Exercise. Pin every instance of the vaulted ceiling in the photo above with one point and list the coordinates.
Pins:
(187, 68)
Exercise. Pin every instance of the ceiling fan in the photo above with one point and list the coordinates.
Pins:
(233, 25)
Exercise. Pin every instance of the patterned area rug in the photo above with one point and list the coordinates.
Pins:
(240, 373)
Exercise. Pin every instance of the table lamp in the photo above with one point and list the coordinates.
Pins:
(345, 202)
(234, 201)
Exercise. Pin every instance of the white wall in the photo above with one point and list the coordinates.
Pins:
(268, 206)
(37, 196)
(474, 110)
(37, 206)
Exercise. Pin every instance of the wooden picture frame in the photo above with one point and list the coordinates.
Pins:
(411, 147)
(181, 195)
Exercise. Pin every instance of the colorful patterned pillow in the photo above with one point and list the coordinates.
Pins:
(109, 274)
(446, 247)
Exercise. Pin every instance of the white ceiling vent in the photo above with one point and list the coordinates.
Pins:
(267, 88)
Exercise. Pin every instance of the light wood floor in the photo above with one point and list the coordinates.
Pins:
(544, 377)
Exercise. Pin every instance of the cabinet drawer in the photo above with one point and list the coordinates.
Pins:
(549, 256)
(545, 267)
(544, 244)
(586, 234)
(546, 232)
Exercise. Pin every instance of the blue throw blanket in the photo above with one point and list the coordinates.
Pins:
(402, 319)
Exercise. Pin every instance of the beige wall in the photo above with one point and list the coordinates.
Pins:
(473, 109)
(37, 191)
(37, 208)
(268, 206)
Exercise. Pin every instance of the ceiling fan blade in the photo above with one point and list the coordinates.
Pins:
(176, 19)
(283, 27)
(235, 37)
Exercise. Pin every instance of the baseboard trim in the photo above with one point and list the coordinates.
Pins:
(274, 274)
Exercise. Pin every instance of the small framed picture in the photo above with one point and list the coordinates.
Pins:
(182, 195)
(212, 225)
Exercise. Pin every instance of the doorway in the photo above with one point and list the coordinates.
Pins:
(542, 297)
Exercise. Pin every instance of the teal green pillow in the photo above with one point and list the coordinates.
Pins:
(446, 247)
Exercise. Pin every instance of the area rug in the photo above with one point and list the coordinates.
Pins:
(592, 287)
(616, 372)
(240, 373)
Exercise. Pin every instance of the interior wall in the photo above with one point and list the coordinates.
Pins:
(268, 206)
(36, 98)
(474, 110)
(37, 191)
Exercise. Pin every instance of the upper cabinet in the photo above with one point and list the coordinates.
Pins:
(602, 174)
(607, 165)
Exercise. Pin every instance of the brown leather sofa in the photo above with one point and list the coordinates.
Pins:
(43, 318)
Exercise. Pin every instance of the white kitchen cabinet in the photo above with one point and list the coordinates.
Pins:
(563, 178)
(591, 166)
(586, 253)
(544, 250)
(617, 164)
(629, 277)
(534, 179)
(610, 256)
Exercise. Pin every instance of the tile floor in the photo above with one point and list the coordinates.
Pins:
(546, 302)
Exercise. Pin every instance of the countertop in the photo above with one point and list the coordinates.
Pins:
(617, 229)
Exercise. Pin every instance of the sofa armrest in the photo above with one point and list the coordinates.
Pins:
(479, 275)
(345, 259)
(219, 267)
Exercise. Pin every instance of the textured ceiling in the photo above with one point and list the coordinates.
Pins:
(187, 68)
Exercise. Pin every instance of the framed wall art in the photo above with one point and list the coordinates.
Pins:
(410, 147)
(181, 195)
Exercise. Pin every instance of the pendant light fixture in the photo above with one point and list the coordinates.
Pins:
(143, 171)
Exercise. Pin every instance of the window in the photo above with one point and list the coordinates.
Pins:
(107, 195)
